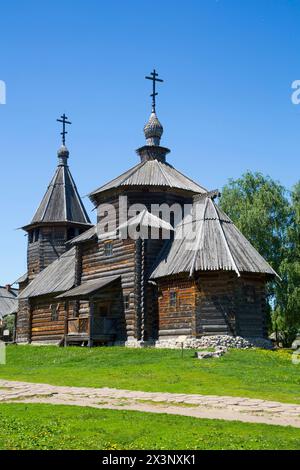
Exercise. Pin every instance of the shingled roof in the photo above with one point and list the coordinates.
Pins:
(58, 277)
(61, 202)
(209, 242)
(8, 301)
(152, 173)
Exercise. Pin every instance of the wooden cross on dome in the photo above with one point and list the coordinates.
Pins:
(154, 79)
(64, 120)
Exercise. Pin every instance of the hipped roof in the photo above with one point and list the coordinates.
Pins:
(61, 202)
(209, 242)
(152, 173)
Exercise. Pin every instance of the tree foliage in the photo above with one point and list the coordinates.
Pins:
(287, 311)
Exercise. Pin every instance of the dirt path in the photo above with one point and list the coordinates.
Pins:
(197, 406)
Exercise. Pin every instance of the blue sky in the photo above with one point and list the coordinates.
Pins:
(225, 105)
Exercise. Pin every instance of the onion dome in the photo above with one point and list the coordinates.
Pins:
(153, 130)
(63, 155)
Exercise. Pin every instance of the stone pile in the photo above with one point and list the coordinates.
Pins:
(214, 342)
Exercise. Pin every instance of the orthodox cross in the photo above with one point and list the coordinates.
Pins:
(64, 120)
(154, 79)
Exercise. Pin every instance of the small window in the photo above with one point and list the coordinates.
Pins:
(108, 249)
(76, 308)
(173, 299)
(54, 312)
(36, 234)
(126, 301)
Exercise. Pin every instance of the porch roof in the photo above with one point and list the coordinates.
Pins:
(87, 288)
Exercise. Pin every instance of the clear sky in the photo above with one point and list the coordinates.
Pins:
(225, 105)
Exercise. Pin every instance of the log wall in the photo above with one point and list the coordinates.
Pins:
(95, 264)
(43, 327)
(42, 252)
(216, 304)
(213, 304)
(179, 319)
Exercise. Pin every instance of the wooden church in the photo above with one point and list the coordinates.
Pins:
(89, 286)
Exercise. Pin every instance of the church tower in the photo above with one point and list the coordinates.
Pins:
(60, 216)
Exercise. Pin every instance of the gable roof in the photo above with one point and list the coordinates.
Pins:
(152, 173)
(59, 276)
(8, 301)
(209, 242)
(61, 202)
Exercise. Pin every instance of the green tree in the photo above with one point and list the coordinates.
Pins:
(260, 208)
(287, 311)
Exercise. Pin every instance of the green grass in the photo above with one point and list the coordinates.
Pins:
(37, 426)
(249, 373)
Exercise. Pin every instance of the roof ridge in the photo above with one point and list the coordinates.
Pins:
(65, 191)
(159, 164)
(226, 242)
(51, 185)
(73, 184)
(134, 169)
(184, 176)
(197, 247)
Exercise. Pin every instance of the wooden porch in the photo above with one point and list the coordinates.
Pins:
(98, 327)
(88, 331)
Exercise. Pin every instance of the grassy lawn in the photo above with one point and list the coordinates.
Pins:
(250, 373)
(61, 427)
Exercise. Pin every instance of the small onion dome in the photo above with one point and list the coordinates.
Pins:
(63, 155)
(153, 130)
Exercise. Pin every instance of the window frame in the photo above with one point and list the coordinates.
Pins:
(54, 312)
(108, 245)
(173, 298)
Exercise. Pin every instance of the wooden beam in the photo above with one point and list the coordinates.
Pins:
(91, 321)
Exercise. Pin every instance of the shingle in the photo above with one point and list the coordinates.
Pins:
(152, 173)
(59, 276)
(88, 287)
(8, 301)
(61, 202)
(210, 243)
